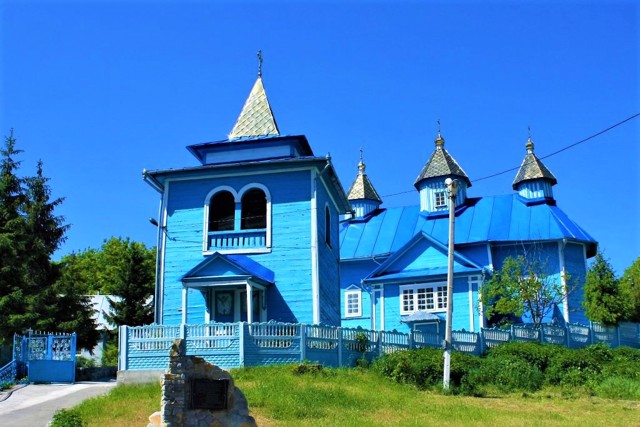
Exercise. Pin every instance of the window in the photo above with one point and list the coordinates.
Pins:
(353, 303)
(327, 226)
(431, 297)
(254, 210)
(440, 199)
(222, 211)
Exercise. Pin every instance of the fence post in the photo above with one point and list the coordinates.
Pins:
(591, 333)
(73, 346)
(483, 345)
(618, 335)
(566, 335)
(122, 348)
(183, 332)
(410, 339)
(303, 342)
(339, 347)
(380, 341)
(541, 329)
(241, 343)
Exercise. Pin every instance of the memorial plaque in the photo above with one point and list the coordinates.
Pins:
(209, 394)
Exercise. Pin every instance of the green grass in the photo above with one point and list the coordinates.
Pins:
(353, 397)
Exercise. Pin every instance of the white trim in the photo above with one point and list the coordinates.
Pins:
(414, 297)
(382, 317)
(358, 302)
(563, 280)
(267, 194)
(237, 197)
(315, 279)
(207, 202)
(185, 293)
(212, 175)
(163, 226)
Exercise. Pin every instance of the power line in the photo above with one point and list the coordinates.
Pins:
(541, 158)
(565, 148)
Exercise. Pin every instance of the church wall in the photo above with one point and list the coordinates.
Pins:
(576, 269)
(546, 253)
(328, 260)
(461, 313)
(351, 273)
(291, 239)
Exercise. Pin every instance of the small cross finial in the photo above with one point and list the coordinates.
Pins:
(360, 154)
(529, 128)
(438, 127)
(361, 164)
(260, 63)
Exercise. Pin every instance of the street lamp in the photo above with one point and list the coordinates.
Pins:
(452, 188)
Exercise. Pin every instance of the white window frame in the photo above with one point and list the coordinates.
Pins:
(440, 203)
(348, 311)
(238, 199)
(411, 299)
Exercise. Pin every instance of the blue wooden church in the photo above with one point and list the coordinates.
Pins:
(262, 229)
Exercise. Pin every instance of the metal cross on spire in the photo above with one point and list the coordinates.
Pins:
(260, 63)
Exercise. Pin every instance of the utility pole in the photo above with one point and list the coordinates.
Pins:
(452, 188)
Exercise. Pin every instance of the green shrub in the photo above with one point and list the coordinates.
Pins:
(307, 368)
(66, 418)
(85, 362)
(618, 388)
(506, 374)
(423, 367)
(534, 353)
(110, 355)
(574, 368)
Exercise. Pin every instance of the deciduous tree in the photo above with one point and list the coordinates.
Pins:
(630, 284)
(522, 287)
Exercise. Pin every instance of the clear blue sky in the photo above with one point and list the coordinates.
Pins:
(101, 90)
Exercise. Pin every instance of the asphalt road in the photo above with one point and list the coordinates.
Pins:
(35, 404)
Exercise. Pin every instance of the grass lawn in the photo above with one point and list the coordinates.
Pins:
(352, 397)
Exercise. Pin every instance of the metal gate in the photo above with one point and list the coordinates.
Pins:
(47, 357)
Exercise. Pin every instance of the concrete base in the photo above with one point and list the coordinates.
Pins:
(146, 376)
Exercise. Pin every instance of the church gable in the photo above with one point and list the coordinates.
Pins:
(422, 256)
(221, 266)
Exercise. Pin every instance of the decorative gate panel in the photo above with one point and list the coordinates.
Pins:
(49, 357)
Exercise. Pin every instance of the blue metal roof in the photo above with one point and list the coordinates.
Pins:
(506, 218)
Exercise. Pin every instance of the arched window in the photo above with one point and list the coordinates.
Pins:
(254, 210)
(222, 211)
(327, 225)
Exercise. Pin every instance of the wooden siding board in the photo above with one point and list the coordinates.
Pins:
(290, 242)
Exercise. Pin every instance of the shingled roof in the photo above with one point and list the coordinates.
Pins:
(532, 168)
(441, 164)
(256, 117)
(362, 188)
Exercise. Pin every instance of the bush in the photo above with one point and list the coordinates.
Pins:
(618, 388)
(533, 353)
(85, 362)
(66, 418)
(110, 355)
(506, 374)
(575, 368)
(424, 367)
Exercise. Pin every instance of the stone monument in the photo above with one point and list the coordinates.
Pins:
(198, 394)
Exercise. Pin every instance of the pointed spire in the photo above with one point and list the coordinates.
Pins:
(532, 168)
(362, 187)
(441, 164)
(256, 118)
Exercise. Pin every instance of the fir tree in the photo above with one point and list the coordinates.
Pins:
(12, 242)
(604, 300)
